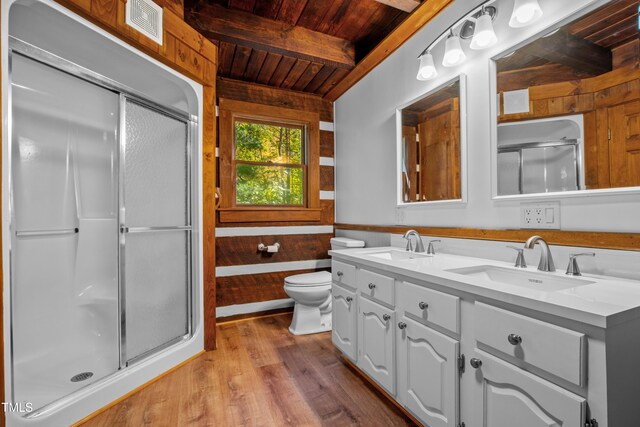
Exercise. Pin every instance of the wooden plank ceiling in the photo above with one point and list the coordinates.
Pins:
(578, 50)
(303, 45)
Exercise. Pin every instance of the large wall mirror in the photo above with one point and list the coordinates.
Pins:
(568, 118)
(430, 135)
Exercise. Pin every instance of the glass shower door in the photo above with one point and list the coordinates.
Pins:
(155, 238)
(64, 204)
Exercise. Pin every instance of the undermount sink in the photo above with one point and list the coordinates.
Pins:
(396, 254)
(544, 282)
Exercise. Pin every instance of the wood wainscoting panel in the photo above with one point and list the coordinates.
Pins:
(587, 239)
(326, 143)
(242, 250)
(248, 288)
(326, 178)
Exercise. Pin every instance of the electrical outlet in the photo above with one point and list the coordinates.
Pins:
(540, 215)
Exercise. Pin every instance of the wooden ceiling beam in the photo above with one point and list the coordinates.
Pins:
(245, 29)
(422, 15)
(262, 94)
(580, 54)
(404, 5)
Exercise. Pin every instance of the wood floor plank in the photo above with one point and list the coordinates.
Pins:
(260, 375)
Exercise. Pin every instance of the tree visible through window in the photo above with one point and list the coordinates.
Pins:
(269, 163)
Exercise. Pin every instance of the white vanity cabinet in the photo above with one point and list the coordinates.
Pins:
(376, 343)
(510, 396)
(521, 366)
(344, 311)
(344, 316)
(428, 378)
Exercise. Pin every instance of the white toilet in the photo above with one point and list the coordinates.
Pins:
(311, 293)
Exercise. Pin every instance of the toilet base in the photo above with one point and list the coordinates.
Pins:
(309, 320)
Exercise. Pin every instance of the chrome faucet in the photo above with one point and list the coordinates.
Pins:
(572, 268)
(546, 260)
(419, 245)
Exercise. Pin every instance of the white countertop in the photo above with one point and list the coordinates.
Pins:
(606, 302)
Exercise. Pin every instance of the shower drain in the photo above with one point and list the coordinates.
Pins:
(81, 377)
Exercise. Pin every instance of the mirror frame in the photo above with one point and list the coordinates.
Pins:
(493, 108)
(462, 78)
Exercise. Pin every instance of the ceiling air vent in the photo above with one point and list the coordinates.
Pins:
(146, 17)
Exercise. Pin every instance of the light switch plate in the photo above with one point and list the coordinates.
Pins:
(540, 215)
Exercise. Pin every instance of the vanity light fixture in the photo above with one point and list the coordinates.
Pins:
(476, 25)
(525, 12)
(427, 69)
(484, 35)
(453, 53)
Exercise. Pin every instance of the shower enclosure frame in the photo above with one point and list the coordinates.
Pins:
(126, 94)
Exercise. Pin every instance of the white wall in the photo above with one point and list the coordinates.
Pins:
(365, 138)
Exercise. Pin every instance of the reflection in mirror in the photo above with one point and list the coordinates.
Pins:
(569, 113)
(430, 158)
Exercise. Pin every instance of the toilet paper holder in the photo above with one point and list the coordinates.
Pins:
(269, 248)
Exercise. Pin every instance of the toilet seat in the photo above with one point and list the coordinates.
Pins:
(319, 278)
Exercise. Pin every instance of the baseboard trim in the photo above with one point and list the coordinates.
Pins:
(135, 390)
(253, 307)
(252, 316)
(379, 389)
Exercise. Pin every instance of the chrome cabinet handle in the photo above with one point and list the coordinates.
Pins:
(423, 305)
(402, 325)
(386, 317)
(339, 273)
(475, 363)
(372, 286)
(514, 339)
(349, 299)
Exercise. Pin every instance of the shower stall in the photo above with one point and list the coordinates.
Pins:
(101, 245)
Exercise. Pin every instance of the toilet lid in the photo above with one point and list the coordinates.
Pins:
(309, 279)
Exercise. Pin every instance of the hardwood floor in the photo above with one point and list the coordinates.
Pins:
(261, 375)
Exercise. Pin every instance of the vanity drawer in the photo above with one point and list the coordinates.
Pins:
(559, 351)
(376, 286)
(342, 273)
(430, 306)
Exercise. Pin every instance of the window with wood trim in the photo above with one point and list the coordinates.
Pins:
(269, 163)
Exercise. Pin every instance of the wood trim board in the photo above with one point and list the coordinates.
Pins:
(587, 239)
(414, 22)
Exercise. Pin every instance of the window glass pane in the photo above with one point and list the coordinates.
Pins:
(274, 143)
(269, 185)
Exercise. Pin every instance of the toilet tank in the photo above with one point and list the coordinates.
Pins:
(345, 243)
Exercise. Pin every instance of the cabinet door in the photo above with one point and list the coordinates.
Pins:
(376, 335)
(343, 315)
(428, 379)
(511, 396)
(624, 144)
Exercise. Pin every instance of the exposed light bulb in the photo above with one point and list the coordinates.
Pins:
(453, 53)
(427, 69)
(483, 36)
(525, 12)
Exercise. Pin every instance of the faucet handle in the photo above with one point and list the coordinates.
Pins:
(520, 262)
(572, 268)
(430, 249)
(409, 247)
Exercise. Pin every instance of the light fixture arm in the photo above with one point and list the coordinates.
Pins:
(470, 16)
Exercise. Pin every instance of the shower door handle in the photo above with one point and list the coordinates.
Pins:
(47, 232)
(124, 229)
